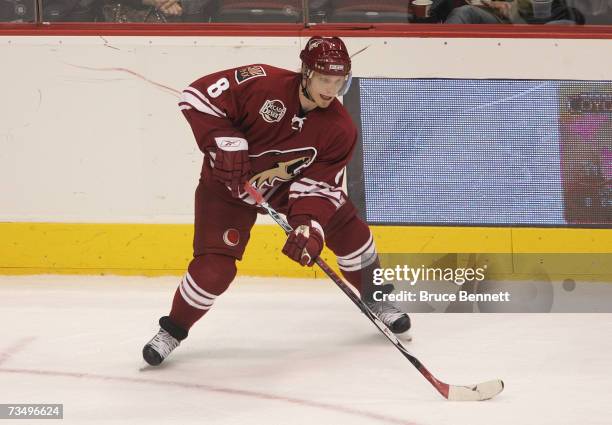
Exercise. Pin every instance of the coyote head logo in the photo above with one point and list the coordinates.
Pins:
(283, 171)
(274, 167)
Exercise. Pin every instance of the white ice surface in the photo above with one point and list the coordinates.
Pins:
(285, 352)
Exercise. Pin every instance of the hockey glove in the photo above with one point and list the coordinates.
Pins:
(305, 243)
(232, 166)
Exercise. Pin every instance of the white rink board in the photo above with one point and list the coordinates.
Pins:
(90, 130)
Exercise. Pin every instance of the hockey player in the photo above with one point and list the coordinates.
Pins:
(288, 135)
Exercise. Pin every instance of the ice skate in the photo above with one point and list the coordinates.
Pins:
(163, 343)
(390, 315)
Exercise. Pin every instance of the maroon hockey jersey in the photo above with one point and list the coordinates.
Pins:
(298, 159)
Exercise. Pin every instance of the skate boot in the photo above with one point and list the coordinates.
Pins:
(164, 342)
(390, 315)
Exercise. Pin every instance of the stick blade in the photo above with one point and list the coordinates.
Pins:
(479, 392)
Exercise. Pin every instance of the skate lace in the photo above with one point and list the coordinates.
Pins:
(164, 343)
(386, 312)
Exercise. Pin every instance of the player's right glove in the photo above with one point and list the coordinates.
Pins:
(305, 243)
(232, 165)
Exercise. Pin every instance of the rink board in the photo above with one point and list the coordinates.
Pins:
(162, 249)
(97, 139)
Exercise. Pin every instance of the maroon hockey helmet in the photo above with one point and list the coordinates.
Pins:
(326, 55)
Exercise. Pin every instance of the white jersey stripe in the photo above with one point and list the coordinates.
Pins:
(204, 99)
(322, 184)
(300, 189)
(303, 188)
(318, 195)
(307, 184)
(191, 99)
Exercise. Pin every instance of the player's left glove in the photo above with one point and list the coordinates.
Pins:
(305, 243)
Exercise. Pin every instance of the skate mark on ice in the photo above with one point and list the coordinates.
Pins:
(214, 389)
(15, 348)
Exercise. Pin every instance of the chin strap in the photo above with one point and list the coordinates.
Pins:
(307, 94)
(305, 76)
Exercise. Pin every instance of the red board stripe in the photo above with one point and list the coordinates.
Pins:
(298, 30)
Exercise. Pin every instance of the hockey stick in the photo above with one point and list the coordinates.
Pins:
(482, 391)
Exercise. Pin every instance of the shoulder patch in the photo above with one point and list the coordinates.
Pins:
(246, 73)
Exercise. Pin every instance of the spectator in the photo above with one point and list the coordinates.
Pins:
(596, 12)
(156, 11)
(561, 13)
(17, 10)
(68, 10)
(512, 12)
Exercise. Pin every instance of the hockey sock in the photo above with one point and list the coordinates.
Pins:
(207, 277)
(354, 247)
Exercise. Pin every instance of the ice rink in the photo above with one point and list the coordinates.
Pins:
(281, 352)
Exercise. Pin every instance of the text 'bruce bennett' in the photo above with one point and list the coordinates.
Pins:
(426, 296)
